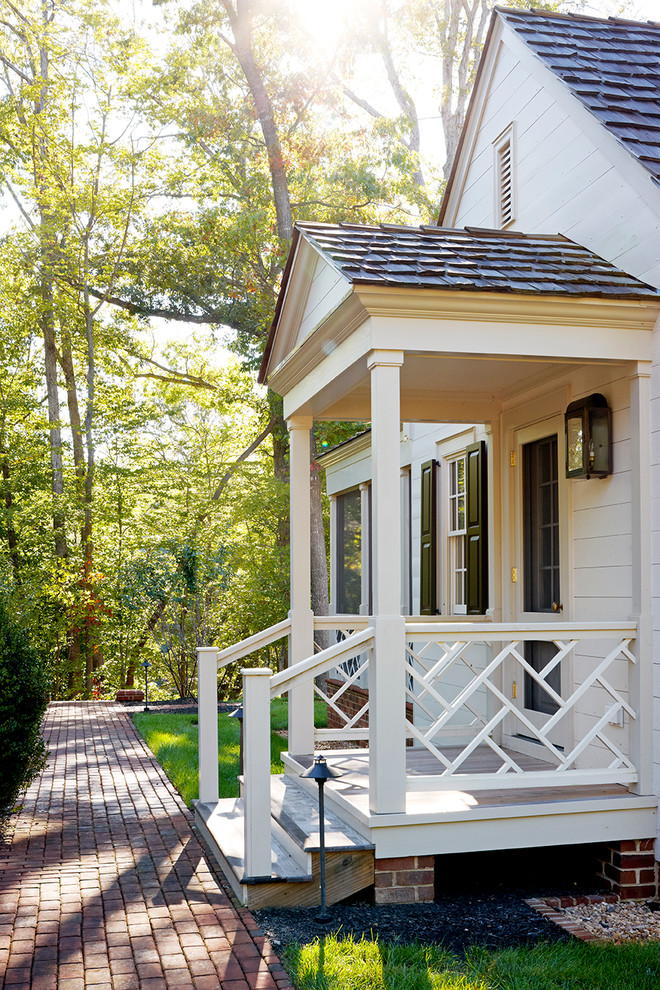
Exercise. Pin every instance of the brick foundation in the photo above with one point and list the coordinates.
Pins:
(630, 869)
(130, 694)
(351, 702)
(404, 880)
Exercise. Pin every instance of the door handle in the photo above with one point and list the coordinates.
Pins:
(556, 607)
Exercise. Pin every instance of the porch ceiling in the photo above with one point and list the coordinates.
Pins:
(438, 388)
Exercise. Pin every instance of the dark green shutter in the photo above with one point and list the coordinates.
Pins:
(428, 594)
(476, 483)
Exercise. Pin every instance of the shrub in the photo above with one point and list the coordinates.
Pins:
(23, 701)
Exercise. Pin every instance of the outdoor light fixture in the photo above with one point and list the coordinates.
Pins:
(589, 438)
(238, 713)
(146, 666)
(320, 772)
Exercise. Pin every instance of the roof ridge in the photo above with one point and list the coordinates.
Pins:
(569, 16)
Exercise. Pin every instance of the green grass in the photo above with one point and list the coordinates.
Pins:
(173, 741)
(331, 964)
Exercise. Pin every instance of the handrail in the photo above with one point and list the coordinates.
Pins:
(252, 643)
(341, 621)
(466, 631)
(320, 662)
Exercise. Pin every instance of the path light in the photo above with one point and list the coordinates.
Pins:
(320, 772)
(146, 666)
(238, 713)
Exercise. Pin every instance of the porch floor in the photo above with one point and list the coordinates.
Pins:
(351, 790)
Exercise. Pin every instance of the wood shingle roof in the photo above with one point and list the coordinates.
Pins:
(471, 259)
(612, 66)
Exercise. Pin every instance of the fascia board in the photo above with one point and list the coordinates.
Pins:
(321, 342)
(614, 151)
(471, 125)
(496, 307)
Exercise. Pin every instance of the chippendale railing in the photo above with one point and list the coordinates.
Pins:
(466, 686)
(351, 719)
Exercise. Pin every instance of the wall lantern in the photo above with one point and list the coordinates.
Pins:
(589, 438)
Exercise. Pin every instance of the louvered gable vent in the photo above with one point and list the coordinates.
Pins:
(504, 178)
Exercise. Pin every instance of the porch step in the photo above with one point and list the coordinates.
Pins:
(295, 862)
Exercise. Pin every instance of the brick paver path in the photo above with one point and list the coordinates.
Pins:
(105, 884)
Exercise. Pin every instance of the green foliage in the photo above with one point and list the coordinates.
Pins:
(334, 963)
(22, 704)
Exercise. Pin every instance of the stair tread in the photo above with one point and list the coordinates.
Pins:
(224, 821)
(298, 814)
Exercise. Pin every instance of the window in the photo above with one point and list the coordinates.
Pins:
(456, 537)
(349, 553)
(504, 178)
(466, 559)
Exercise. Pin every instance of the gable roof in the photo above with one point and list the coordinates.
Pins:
(612, 66)
(469, 259)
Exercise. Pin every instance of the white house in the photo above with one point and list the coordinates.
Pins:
(494, 576)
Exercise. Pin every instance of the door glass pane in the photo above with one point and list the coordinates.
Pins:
(541, 560)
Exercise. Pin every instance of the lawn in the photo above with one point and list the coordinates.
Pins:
(173, 741)
(330, 964)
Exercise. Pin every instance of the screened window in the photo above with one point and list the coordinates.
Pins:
(349, 553)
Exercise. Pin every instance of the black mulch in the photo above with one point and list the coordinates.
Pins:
(482, 902)
(455, 922)
(179, 706)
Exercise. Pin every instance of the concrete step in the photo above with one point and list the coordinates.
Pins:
(295, 865)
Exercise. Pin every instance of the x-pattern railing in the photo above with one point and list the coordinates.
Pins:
(354, 725)
(430, 690)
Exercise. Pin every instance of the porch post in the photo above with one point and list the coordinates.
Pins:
(207, 695)
(641, 675)
(387, 739)
(301, 643)
(256, 792)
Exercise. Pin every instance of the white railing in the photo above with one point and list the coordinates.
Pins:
(259, 688)
(466, 684)
(209, 661)
(351, 673)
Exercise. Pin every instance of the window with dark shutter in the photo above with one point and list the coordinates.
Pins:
(476, 537)
(428, 595)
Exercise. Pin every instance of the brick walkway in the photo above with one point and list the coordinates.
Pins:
(104, 882)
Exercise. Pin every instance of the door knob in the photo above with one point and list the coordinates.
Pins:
(556, 607)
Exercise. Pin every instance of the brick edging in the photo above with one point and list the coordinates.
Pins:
(551, 908)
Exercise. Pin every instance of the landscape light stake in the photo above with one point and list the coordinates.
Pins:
(238, 713)
(146, 666)
(320, 772)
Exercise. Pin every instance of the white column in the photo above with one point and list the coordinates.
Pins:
(207, 713)
(301, 643)
(365, 544)
(256, 763)
(641, 675)
(387, 740)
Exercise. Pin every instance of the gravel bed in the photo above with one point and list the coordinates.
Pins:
(624, 921)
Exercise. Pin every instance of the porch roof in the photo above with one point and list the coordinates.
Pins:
(470, 259)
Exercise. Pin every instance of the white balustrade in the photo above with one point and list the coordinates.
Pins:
(456, 683)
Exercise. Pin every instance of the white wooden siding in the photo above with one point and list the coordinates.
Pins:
(327, 289)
